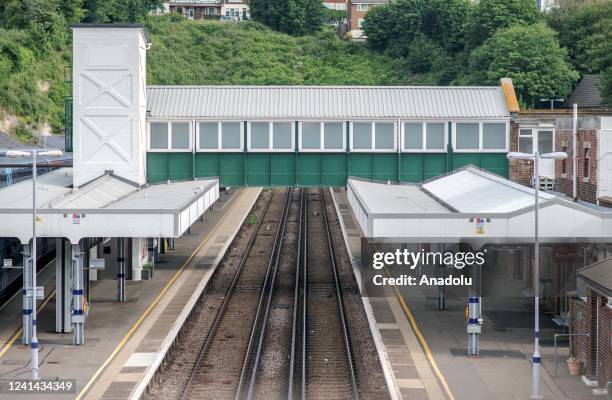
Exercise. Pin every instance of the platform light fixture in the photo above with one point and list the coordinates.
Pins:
(536, 360)
(34, 153)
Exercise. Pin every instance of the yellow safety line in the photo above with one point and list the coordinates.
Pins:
(424, 344)
(10, 342)
(153, 304)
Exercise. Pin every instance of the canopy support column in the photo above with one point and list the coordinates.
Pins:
(473, 327)
(78, 314)
(27, 301)
(121, 270)
(63, 258)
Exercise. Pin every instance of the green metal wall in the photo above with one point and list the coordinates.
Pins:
(314, 169)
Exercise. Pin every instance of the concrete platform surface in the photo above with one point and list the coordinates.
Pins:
(122, 339)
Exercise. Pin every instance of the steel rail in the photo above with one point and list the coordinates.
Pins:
(228, 294)
(296, 299)
(304, 301)
(342, 315)
(258, 331)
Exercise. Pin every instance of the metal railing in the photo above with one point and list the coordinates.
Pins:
(569, 335)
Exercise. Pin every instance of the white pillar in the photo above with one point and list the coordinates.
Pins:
(78, 315)
(136, 255)
(27, 301)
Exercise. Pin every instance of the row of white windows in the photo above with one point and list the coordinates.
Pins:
(327, 136)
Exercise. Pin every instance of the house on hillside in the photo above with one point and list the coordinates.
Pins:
(356, 12)
(338, 5)
(209, 9)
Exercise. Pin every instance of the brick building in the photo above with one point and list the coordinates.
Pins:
(552, 130)
(592, 316)
(209, 9)
(338, 5)
(356, 12)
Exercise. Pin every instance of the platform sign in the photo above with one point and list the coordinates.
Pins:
(40, 293)
(8, 263)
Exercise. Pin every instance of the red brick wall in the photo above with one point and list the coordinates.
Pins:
(591, 350)
(584, 323)
(520, 171)
(587, 189)
(354, 15)
(604, 372)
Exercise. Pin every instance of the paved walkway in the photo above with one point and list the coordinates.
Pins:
(503, 372)
(121, 339)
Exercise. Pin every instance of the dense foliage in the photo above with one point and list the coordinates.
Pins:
(410, 42)
(35, 50)
(295, 17)
(586, 31)
(530, 55)
(193, 52)
(466, 42)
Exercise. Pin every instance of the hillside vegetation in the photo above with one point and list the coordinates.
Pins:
(187, 52)
(193, 52)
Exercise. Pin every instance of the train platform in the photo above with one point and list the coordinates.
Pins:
(424, 354)
(122, 340)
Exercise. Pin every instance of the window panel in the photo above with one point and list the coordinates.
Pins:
(311, 135)
(209, 135)
(362, 136)
(260, 135)
(282, 135)
(493, 136)
(545, 142)
(466, 136)
(180, 136)
(158, 132)
(435, 136)
(333, 138)
(413, 135)
(525, 144)
(384, 134)
(230, 135)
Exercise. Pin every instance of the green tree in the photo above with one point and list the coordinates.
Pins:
(530, 55)
(295, 17)
(109, 11)
(487, 16)
(586, 31)
(395, 26)
(42, 18)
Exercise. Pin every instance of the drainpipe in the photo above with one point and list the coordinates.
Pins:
(399, 150)
(575, 153)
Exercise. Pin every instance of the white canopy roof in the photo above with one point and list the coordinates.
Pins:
(106, 207)
(471, 205)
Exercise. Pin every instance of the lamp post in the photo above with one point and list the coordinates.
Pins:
(536, 360)
(33, 153)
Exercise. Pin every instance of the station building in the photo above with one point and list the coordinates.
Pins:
(150, 160)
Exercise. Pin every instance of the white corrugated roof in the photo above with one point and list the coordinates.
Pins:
(395, 199)
(48, 187)
(317, 102)
(167, 196)
(473, 190)
(97, 194)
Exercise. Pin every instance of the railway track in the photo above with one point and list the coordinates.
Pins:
(326, 363)
(280, 330)
(220, 362)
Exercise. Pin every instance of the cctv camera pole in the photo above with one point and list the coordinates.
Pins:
(536, 284)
